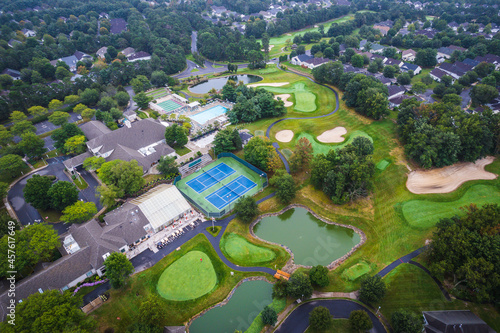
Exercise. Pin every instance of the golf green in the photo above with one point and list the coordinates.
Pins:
(241, 251)
(323, 148)
(426, 213)
(304, 99)
(383, 164)
(354, 272)
(189, 277)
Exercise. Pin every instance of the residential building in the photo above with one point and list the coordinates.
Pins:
(13, 42)
(137, 56)
(405, 67)
(127, 52)
(315, 62)
(16, 75)
(28, 32)
(395, 91)
(300, 59)
(393, 62)
(143, 141)
(491, 59)
(409, 55)
(118, 26)
(436, 74)
(101, 53)
(245, 137)
(454, 321)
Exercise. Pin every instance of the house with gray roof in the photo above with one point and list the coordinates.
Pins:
(300, 59)
(137, 56)
(118, 25)
(15, 75)
(454, 321)
(142, 141)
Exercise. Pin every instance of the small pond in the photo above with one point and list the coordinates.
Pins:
(312, 241)
(218, 83)
(246, 303)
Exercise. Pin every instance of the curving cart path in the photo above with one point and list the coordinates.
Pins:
(268, 131)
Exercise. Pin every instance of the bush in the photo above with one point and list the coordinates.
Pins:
(372, 289)
(269, 316)
(319, 276)
(360, 321)
(320, 318)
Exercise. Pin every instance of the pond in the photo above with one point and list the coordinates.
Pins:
(205, 87)
(312, 241)
(246, 303)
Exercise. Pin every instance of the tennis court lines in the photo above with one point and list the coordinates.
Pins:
(169, 105)
(230, 192)
(210, 177)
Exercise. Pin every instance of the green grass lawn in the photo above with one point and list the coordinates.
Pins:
(304, 100)
(124, 303)
(189, 277)
(241, 252)
(356, 271)
(425, 213)
(260, 133)
(141, 114)
(80, 183)
(323, 148)
(287, 153)
(194, 70)
(383, 164)
(337, 326)
(181, 151)
(214, 231)
(50, 215)
(278, 304)
(408, 287)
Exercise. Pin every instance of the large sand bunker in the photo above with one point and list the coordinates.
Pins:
(284, 98)
(333, 135)
(448, 179)
(270, 47)
(284, 136)
(277, 84)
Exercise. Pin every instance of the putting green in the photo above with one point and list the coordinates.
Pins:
(383, 164)
(241, 251)
(323, 148)
(188, 277)
(304, 99)
(426, 213)
(354, 272)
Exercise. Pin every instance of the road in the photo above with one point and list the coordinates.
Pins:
(27, 214)
(194, 38)
(298, 320)
(132, 105)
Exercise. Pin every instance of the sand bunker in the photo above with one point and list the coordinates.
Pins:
(284, 98)
(333, 135)
(277, 84)
(448, 179)
(284, 136)
(270, 47)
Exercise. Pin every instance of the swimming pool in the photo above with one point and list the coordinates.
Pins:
(204, 116)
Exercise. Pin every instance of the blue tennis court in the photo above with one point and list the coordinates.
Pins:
(210, 177)
(230, 192)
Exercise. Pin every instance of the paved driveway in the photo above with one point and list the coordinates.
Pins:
(49, 143)
(46, 126)
(89, 194)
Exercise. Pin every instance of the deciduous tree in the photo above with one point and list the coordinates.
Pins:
(285, 186)
(372, 289)
(59, 118)
(126, 176)
(118, 268)
(360, 321)
(168, 166)
(21, 127)
(299, 286)
(11, 164)
(269, 316)
(62, 194)
(320, 318)
(152, 311)
(246, 208)
(75, 145)
(319, 276)
(142, 100)
(302, 156)
(79, 212)
(32, 145)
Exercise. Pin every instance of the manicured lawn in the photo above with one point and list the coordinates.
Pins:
(425, 213)
(278, 304)
(408, 287)
(260, 133)
(240, 251)
(124, 303)
(80, 183)
(356, 271)
(214, 231)
(323, 148)
(50, 215)
(382, 165)
(151, 177)
(181, 151)
(304, 100)
(189, 277)
(195, 70)
(287, 153)
(337, 326)
(141, 114)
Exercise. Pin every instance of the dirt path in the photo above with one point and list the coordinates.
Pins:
(448, 179)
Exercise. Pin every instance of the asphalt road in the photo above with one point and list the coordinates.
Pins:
(194, 38)
(131, 93)
(298, 320)
(27, 214)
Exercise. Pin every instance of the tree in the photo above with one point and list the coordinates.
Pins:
(37, 110)
(11, 164)
(118, 268)
(285, 186)
(482, 94)
(360, 321)
(419, 87)
(59, 118)
(484, 69)
(140, 83)
(21, 127)
(93, 163)
(142, 100)
(5, 136)
(258, 152)
(246, 208)
(175, 135)
(89, 96)
(122, 98)
(62, 194)
(143, 328)
(55, 104)
(168, 166)
(299, 286)
(51, 311)
(265, 44)
(108, 194)
(88, 113)
(226, 140)
(152, 311)
(7, 223)
(4, 188)
(357, 60)
(269, 316)
(79, 212)
(320, 318)
(31, 145)
(372, 289)
(106, 103)
(79, 108)
(71, 99)
(404, 321)
(34, 243)
(363, 146)
(453, 99)
(389, 71)
(426, 57)
(63, 133)
(126, 176)
(319, 276)
(36, 192)
(75, 145)
(159, 79)
(17, 116)
(302, 156)
(404, 79)
(6, 81)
